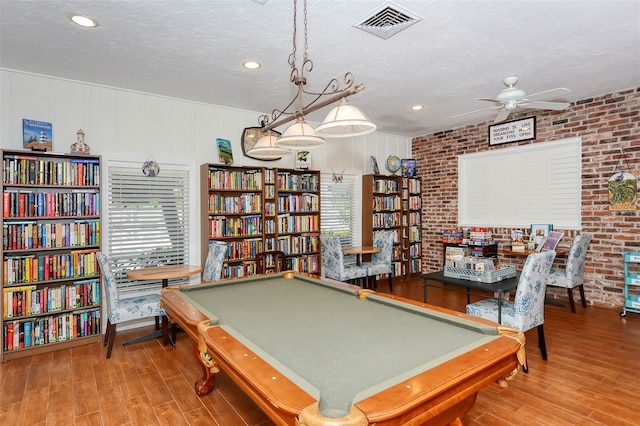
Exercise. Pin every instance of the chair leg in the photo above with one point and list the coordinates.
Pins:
(571, 302)
(541, 343)
(111, 332)
(105, 340)
(584, 300)
(157, 322)
(390, 283)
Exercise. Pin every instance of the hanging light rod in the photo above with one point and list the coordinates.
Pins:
(343, 121)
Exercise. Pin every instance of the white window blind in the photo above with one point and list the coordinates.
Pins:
(148, 221)
(517, 187)
(338, 208)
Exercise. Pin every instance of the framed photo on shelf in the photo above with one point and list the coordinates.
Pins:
(539, 233)
(408, 167)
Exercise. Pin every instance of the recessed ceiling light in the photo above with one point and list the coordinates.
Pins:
(251, 65)
(417, 107)
(84, 21)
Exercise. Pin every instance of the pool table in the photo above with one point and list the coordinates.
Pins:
(313, 352)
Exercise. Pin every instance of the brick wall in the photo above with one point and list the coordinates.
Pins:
(606, 125)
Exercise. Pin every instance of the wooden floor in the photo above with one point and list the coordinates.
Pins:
(592, 377)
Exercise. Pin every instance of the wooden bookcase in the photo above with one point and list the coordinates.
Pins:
(257, 209)
(382, 209)
(412, 224)
(51, 225)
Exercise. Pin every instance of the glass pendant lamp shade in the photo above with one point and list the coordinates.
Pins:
(344, 121)
(300, 135)
(267, 149)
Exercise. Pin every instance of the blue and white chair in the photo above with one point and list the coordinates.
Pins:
(381, 263)
(333, 261)
(120, 310)
(573, 275)
(215, 261)
(527, 309)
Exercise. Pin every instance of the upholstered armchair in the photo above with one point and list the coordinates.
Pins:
(215, 261)
(121, 309)
(573, 275)
(526, 311)
(333, 261)
(381, 262)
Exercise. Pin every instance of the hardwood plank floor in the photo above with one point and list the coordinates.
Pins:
(590, 378)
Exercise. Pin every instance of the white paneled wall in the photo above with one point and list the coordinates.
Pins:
(123, 124)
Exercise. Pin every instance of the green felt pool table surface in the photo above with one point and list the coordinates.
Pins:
(297, 340)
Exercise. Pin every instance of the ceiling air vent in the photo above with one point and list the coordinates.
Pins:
(387, 20)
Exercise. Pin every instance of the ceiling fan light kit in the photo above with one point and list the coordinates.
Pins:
(512, 98)
(344, 121)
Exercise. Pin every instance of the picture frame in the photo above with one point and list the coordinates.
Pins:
(539, 233)
(512, 131)
(37, 135)
(408, 167)
(374, 163)
(225, 153)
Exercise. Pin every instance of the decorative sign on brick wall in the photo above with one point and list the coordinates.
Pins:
(512, 131)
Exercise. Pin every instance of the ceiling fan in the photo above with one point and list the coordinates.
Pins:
(511, 98)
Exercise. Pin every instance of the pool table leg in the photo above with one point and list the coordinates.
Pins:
(205, 384)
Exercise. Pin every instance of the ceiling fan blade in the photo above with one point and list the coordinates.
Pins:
(489, 100)
(502, 115)
(478, 110)
(556, 106)
(550, 94)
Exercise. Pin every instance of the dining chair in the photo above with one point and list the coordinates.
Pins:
(333, 261)
(526, 311)
(573, 275)
(270, 261)
(124, 309)
(381, 262)
(215, 261)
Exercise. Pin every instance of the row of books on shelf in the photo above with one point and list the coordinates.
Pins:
(269, 191)
(38, 268)
(298, 182)
(31, 300)
(298, 203)
(235, 204)
(389, 202)
(35, 235)
(387, 220)
(235, 179)
(414, 202)
(243, 249)
(50, 204)
(385, 186)
(415, 250)
(295, 224)
(414, 219)
(299, 244)
(26, 170)
(308, 264)
(415, 265)
(415, 233)
(413, 185)
(22, 334)
(235, 226)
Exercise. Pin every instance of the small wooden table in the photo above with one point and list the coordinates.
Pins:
(359, 251)
(165, 273)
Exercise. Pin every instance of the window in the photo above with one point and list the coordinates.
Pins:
(338, 209)
(148, 220)
(535, 183)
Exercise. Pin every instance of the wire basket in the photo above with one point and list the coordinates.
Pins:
(505, 272)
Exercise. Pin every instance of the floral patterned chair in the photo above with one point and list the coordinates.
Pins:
(215, 260)
(120, 310)
(333, 261)
(381, 262)
(527, 309)
(573, 275)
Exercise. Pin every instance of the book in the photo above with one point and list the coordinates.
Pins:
(552, 240)
(408, 167)
(37, 135)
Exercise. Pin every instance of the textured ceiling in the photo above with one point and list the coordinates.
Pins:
(459, 51)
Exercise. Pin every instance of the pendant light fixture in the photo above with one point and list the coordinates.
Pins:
(344, 121)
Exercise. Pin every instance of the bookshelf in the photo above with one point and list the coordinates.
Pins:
(51, 224)
(412, 224)
(257, 209)
(382, 209)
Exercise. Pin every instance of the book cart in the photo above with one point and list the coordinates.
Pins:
(631, 283)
